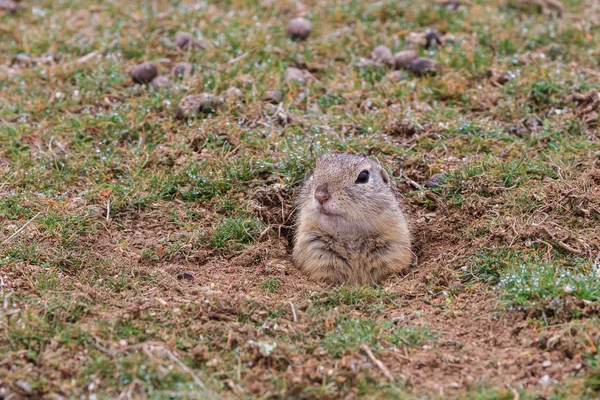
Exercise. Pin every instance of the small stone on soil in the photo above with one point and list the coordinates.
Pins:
(432, 37)
(403, 58)
(299, 28)
(382, 54)
(294, 74)
(452, 4)
(187, 41)
(273, 96)
(160, 82)
(396, 76)
(24, 386)
(144, 72)
(185, 276)
(424, 66)
(196, 104)
(182, 69)
(232, 93)
(23, 60)
(11, 6)
(435, 181)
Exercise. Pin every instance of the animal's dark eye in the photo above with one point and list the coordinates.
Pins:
(363, 177)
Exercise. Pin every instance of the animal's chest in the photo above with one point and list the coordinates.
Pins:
(360, 250)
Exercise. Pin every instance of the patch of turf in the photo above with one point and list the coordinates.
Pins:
(537, 284)
(349, 334)
(235, 232)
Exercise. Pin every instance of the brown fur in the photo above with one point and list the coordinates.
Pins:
(365, 240)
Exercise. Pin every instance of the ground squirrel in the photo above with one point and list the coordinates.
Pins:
(350, 228)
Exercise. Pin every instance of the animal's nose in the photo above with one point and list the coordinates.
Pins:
(322, 196)
(322, 193)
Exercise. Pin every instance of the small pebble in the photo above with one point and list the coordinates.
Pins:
(273, 96)
(382, 54)
(161, 81)
(24, 386)
(23, 59)
(546, 363)
(403, 58)
(294, 74)
(424, 66)
(299, 28)
(432, 37)
(435, 181)
(544, 380)
(232, 93)
(144, 72)
(396, 76)
(182, 69)
(185, 275)
(183, 40)
(187, 41)
(518, 130)
(196, 104)
(10, 6)
(452, 4)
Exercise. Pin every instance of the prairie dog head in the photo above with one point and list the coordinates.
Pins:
(348, 194)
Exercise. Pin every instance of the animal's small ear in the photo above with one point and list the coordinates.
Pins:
(385, 176)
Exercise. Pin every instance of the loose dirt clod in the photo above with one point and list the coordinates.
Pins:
(294, 74)
(548, 6)
(382, 54)
(435, 181)
(299, 28)
(11, 6)
(452, 4)
(144, 72)
(273, 96)
(182, 69)
(432, 37)
(187, 41)
(232, 93)
(425, 66)
(25, 60)
(185, 276)
(196, 104)
(403, 58)
(161, 81)
(396, 76)
(22, 59)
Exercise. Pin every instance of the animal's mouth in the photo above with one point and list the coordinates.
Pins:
(329, 213)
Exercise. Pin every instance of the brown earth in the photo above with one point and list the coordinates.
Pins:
(479, 343)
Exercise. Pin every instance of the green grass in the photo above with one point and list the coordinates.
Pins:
(270, 285)
(235, 232)
(536, 285)
(351, 333)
